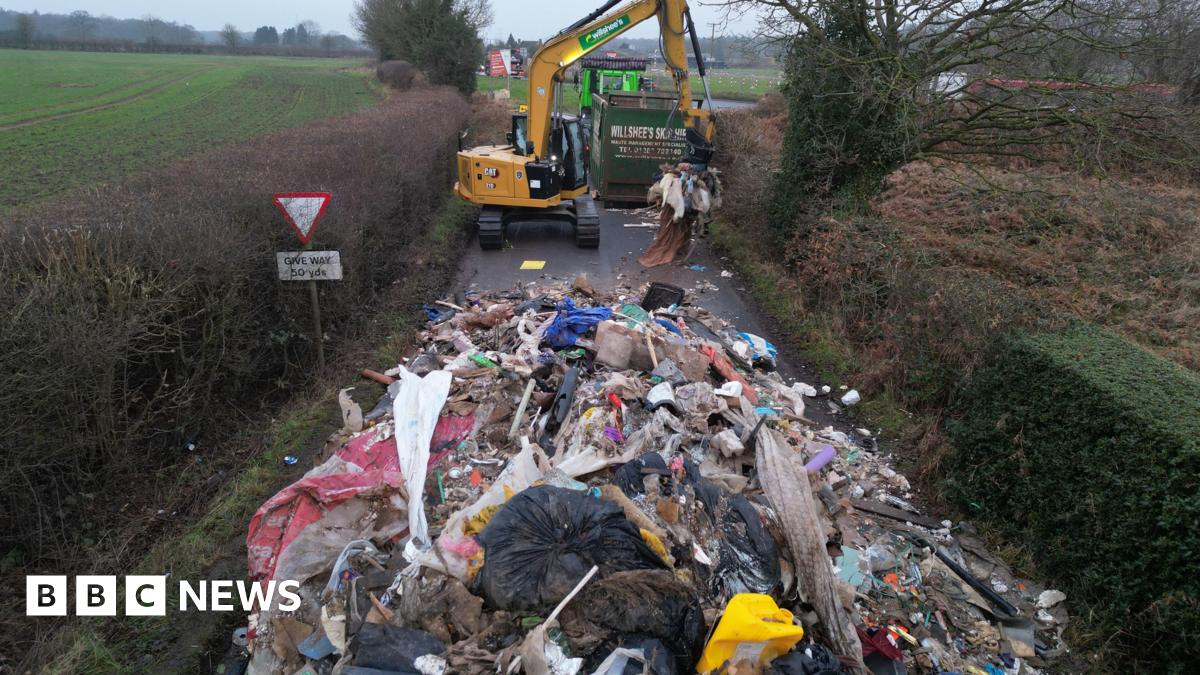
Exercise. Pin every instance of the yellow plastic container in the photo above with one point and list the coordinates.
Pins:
(753, 628)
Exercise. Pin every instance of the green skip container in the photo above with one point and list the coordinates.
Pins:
(630, 140)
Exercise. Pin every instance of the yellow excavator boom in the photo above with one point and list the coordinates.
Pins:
(547, 65)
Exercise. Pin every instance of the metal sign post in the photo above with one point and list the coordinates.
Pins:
(302, 210)
(318, 334)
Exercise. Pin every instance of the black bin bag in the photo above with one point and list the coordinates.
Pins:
(540, 543)
(749, 560)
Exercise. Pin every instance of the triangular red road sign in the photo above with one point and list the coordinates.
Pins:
(302, 210)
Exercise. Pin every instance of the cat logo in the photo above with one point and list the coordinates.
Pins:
(491, 171)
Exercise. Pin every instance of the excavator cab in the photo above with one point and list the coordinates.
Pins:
(568, 143)
(568, 147)
(513, 184)
(519, 136)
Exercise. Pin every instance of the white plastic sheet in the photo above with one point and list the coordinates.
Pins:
(352, 415)
(620, 657)
(415, 413)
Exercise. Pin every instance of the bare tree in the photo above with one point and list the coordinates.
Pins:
(153, 28)
(81, 24)
(373, 14)
(875, 83)
(377, 21)
(477, 12)
(230, 36)
(1168, 39)
(26, 27)
(1189, 91)
(437, 36)
(308, 32)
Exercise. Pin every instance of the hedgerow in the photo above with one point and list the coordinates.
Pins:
(1086, 449)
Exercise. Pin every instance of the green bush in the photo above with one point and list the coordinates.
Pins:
(852, 118)
(440, 37)
(1086, 448)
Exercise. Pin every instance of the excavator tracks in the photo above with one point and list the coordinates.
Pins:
(581, 214)
(587, 223)
(491, 228)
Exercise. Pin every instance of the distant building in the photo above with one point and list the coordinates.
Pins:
(709, 61)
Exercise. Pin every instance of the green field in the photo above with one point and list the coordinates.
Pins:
(520, 90)
(739, 84)
(69, 119)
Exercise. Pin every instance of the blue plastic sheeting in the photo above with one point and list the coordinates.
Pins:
(669, 326)
(437, 314)
(571, 322)
(759, 346)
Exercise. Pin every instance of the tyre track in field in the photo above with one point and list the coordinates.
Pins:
(111, 104)
(50, 108)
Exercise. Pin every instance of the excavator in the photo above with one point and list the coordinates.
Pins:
(542, 173)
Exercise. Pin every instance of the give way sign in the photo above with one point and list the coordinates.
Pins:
(302, 210)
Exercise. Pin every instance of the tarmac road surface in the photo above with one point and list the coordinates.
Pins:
(728, 103)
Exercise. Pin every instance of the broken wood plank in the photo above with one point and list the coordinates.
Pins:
(786, 485)
(895, 513)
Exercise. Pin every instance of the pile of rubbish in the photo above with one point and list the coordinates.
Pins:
(563, 481)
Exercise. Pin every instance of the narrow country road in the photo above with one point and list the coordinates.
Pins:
(728, 103)
(615, 264)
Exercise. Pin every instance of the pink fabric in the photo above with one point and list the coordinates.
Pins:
(364, 453)
(367, 454)
(281, 519)
(464, 547)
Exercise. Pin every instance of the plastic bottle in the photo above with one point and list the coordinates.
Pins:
(752, 628)
(483, 361)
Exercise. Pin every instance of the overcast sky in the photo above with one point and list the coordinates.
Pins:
(526, 19)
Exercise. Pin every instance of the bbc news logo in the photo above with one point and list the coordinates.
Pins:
(146, 595)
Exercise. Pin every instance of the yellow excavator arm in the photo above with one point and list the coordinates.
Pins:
(548, 64)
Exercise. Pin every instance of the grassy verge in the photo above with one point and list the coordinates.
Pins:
(817, 331)
(519, 91)
(811, 334)
(163, 341)
(736, 84)
(905, 294)
(212, 545)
